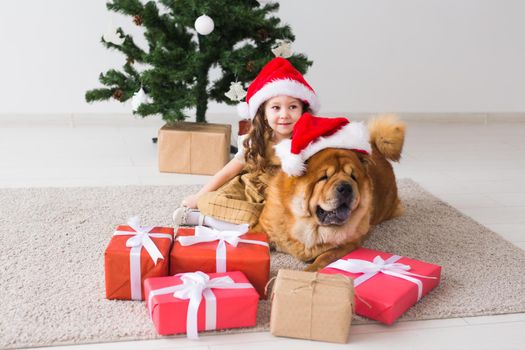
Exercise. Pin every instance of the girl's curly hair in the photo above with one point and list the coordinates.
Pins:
(257, 140)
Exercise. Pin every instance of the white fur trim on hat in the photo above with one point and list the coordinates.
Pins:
(351, 136)
(287, 87)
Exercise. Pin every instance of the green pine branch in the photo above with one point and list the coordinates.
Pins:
(128, 47)
(126, 7)
(175, 68)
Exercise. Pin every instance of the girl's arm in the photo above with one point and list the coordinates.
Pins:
(230, 170)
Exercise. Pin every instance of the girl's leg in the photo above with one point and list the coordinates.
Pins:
(236, 203)
(193, 217)
(224, 225)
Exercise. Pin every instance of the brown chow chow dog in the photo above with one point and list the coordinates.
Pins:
(328, 211)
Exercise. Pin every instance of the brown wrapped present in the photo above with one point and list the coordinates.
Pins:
(194, 148)
(309, 305)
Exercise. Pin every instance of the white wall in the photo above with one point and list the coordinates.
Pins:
(369, 55)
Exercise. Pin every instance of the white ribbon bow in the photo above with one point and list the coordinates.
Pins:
(206, 234)
(194, 286)
(388, 267)
(142, 238)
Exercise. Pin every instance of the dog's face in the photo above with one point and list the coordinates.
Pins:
(329, 205)
(330, 190)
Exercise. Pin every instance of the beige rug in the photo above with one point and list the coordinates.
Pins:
(53, 239)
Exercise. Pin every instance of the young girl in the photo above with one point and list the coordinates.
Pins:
(234, 197)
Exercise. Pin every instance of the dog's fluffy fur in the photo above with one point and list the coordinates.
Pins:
(327, 212)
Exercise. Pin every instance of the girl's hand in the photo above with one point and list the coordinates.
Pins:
(190, 201)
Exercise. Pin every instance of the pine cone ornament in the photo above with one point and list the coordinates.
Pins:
(130, 61)
(263, 34)
(250, 66)
(137, 19)
(117, 94)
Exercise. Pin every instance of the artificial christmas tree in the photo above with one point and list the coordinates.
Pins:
(241, 36)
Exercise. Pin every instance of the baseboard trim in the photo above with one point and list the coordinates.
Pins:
(78, 119)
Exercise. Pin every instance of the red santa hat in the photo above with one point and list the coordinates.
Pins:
(312, 134)
(278, 77)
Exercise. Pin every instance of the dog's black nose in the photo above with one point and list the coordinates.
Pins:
(344, 189)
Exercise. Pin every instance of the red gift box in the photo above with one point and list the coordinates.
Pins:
(252, 258)
(195, 301)
(126, 267)
(385, 292)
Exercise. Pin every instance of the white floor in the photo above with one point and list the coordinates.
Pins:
(477, 166)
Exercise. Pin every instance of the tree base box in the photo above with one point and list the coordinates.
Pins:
(310, 305)
(384, 295)
(194, 148)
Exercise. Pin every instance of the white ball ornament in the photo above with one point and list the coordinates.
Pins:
(204, 25)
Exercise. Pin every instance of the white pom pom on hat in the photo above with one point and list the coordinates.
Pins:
(292, 164)
(243, 110)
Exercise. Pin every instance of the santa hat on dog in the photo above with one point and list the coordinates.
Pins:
(278, 77)
(312, 134)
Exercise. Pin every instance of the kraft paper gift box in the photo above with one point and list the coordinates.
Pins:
(208, 250)
(386, 285)
(193, 148)
(133, 254)
(195, 301)
(310, 305)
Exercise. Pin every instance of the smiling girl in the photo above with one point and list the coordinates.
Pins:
(234, 197)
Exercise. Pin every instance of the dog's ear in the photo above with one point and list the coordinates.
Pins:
(365, 160)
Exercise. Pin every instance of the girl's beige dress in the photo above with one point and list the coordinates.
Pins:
(241, 200)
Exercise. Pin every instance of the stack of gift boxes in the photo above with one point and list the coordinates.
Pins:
(203, 279)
